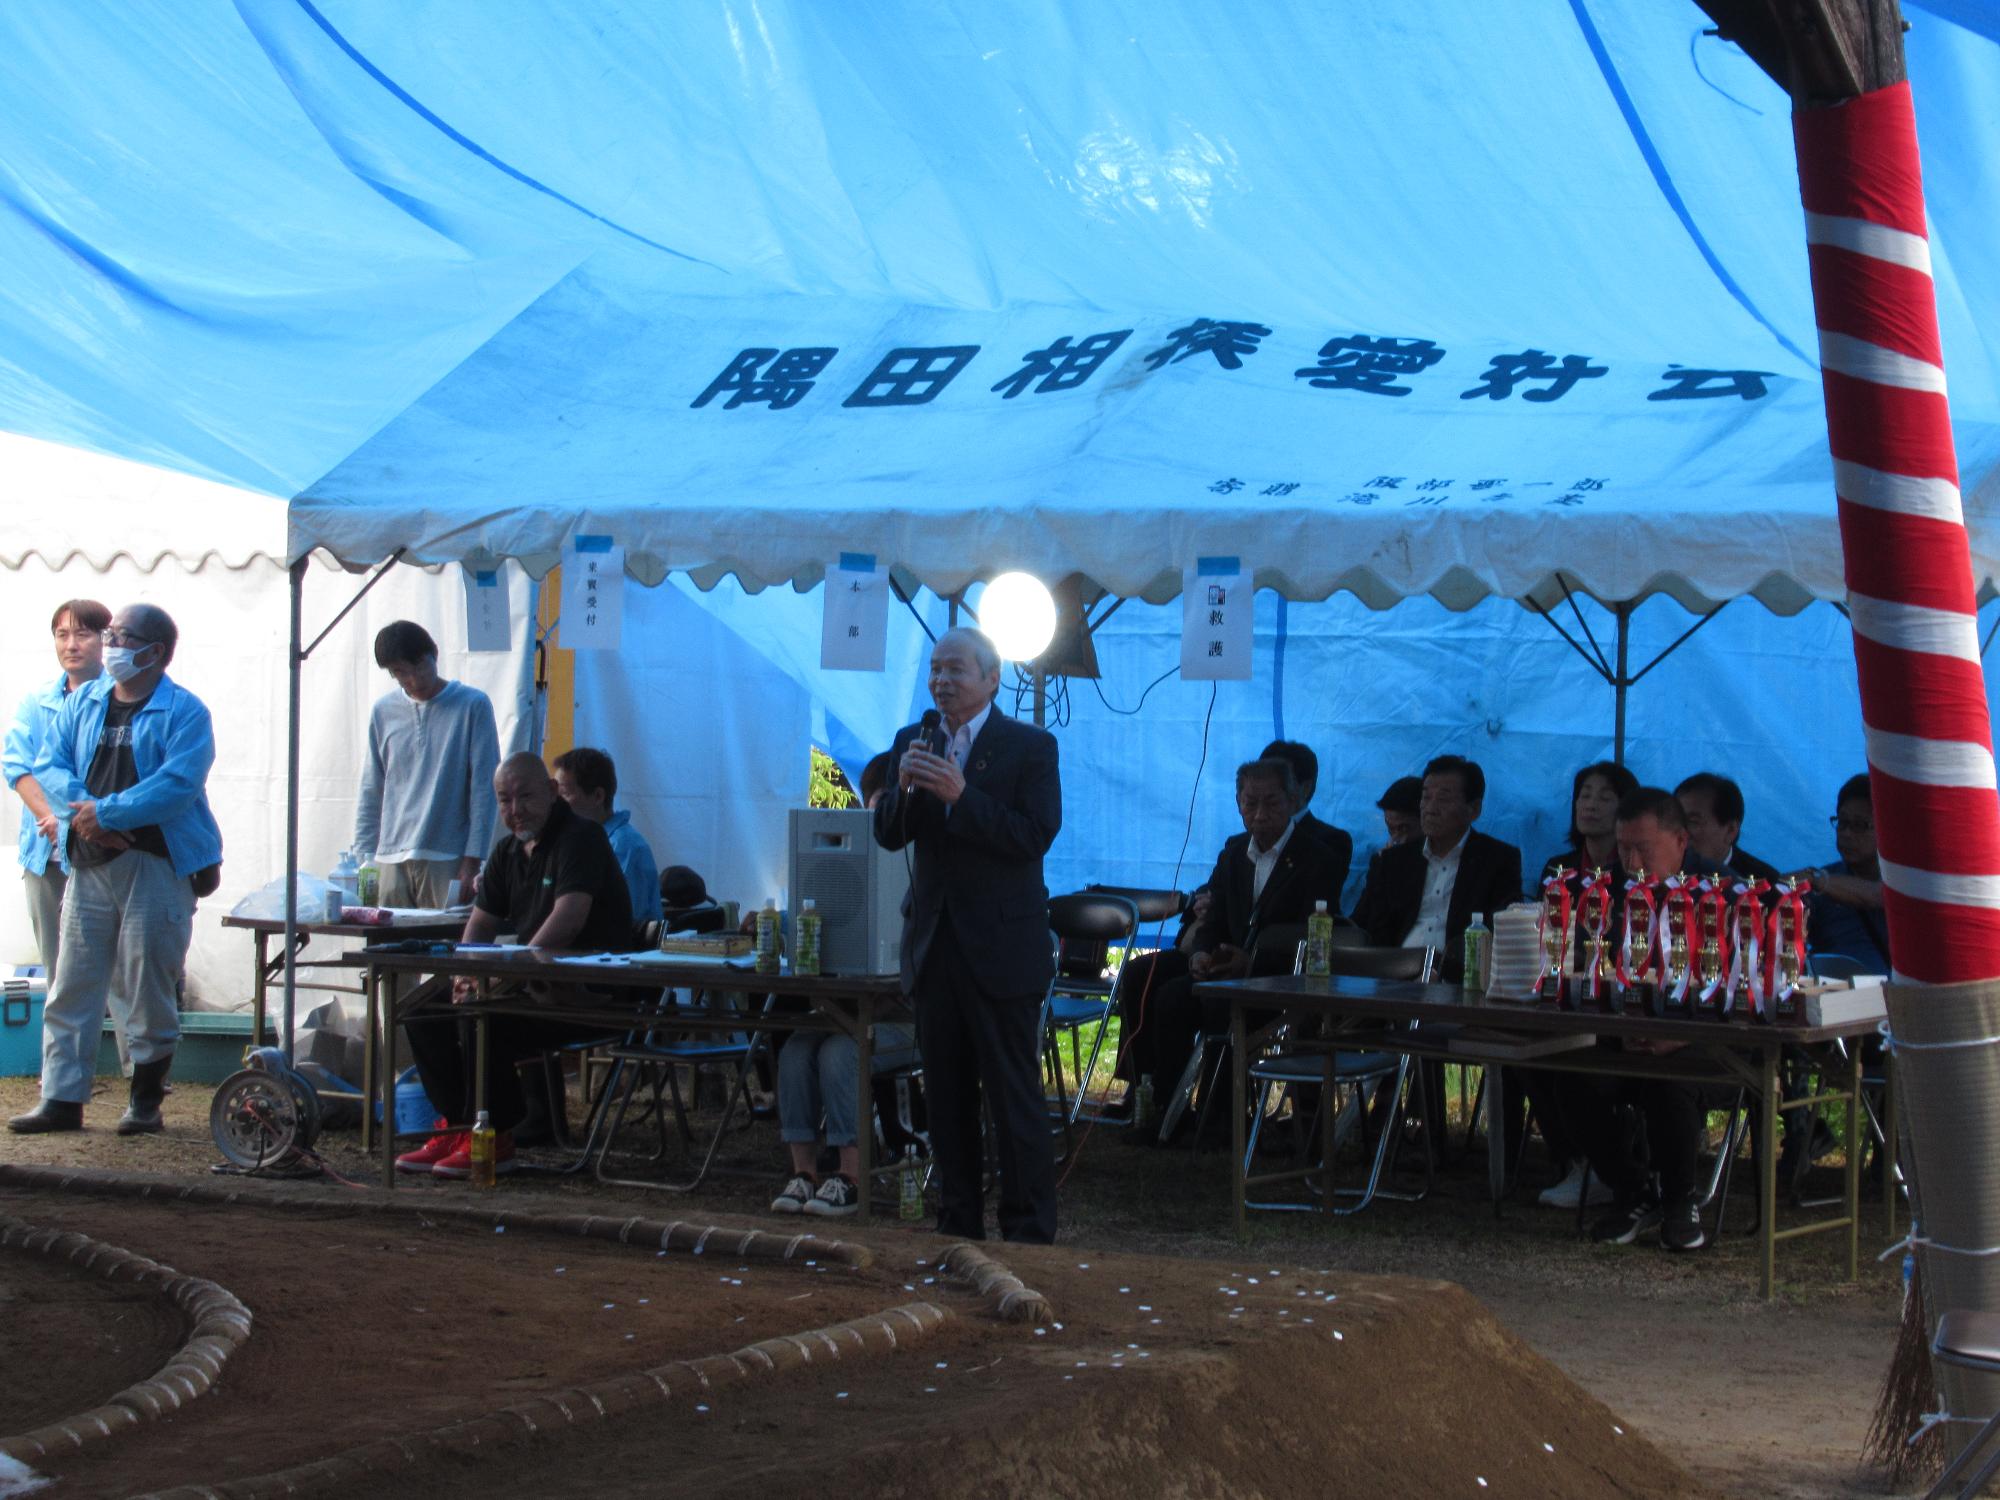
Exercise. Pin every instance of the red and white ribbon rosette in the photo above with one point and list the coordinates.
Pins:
(1595, 915)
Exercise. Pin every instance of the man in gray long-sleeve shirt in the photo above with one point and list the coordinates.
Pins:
(426, 807)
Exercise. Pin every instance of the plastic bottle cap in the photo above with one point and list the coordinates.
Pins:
(770, 903)
(807, 904)
(1319, 906)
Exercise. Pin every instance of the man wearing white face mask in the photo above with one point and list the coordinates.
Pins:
(128, 757)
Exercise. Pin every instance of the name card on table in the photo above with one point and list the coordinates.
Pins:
(855, 633)
(1216, 620)
(488, 620)
(593, 595)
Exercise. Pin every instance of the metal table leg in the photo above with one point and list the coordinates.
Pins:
(864, 1111)
(1239, 1089)
(1857, 1140)
(1767, 1173)
(259, 987)
(369, 984)
(386, 1074)
(1496, 1135)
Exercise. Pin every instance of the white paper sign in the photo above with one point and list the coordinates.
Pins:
(855, 635)
(593, 595)
(487, 619)
(1216, 620)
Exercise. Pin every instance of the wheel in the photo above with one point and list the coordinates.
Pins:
(255, 1118)
(305, 1099)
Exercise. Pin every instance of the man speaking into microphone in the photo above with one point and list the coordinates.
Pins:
(978, 800)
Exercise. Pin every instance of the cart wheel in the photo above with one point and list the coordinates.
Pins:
(306, 1098)
(255, 1119)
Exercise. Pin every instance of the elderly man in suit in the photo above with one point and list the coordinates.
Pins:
(1305, 768)
(978, 807)
(1268, 876)
(1423, 893)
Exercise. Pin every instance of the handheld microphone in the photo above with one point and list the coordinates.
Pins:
(931, 731)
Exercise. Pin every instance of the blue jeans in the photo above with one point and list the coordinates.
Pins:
(816, 1080)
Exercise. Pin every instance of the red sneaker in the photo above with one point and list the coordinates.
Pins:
(432, 1151)
(459, 1163)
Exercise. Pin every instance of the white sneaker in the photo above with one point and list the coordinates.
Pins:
(1564, 1194)
(797, 1194)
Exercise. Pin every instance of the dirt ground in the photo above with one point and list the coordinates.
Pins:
(1740, 1396)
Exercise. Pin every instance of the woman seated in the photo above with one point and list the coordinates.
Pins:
(1594, 796)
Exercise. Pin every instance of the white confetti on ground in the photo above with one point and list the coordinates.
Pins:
(1548, 1447)
(1617, 1429)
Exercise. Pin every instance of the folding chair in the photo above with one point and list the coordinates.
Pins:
(649, 1057)
(1278, 949)
(1152, 905)
(1971, 1341)
(1085, 925)
(1360, 1074)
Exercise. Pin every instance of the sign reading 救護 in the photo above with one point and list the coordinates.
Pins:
(593, 594)
(1216, 618)
(854, 634)
(487, 623)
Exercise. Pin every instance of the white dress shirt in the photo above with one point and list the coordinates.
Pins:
(1262, 864)
(1428, 931)
(960, 747)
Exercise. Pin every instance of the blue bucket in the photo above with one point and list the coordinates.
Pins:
(415, 1114)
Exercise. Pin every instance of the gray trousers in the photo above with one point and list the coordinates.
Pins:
(125, 931)
(45, 906)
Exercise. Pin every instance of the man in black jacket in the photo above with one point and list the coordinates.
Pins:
(1268, 876)
(1305, 768)
(1713, 807)
(1425, 892)
(978, 809)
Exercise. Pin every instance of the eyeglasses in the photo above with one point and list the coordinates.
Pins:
(1852, 825)
(116, 637)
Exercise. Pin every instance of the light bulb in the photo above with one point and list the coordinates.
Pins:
(1018, 614)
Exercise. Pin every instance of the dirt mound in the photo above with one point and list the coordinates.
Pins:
(68, 1341)
(1157, 1375)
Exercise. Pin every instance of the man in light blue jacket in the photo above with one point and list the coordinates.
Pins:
(128, 759)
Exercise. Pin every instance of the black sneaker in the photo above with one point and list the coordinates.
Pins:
(796, 1195)
(1624, 1225)
(837, 1197)
(1680, 1227)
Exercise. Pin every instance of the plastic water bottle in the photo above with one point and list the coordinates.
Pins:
(1142, 1101)
(910, 1202)
(368, 883)
(483, 1148)
(1476, 939)
(767, 938)
(1319, 941)
(805, 942)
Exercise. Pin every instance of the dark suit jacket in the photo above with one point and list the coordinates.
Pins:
(1489, 877)
(1307, 871)
(982, 864)
(1339, 845)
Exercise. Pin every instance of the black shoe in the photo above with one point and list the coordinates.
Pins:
(149, 1091)
(50, 1115)
(1680, 1226)
(1624, 1225)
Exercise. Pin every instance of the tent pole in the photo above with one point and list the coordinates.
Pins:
(295, 658)
(1619, 683)
(1041, 680)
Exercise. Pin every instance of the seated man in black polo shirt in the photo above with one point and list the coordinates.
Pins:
(553, 881)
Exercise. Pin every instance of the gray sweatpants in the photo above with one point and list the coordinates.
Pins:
(125, 932)
(45, 905)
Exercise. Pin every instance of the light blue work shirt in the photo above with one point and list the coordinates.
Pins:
(173, 746)
(635, 858)
(25, 738)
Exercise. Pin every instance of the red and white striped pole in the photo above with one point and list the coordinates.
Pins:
(1908, 564)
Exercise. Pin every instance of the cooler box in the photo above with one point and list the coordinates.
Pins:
(21, 1027)
(210, 1048)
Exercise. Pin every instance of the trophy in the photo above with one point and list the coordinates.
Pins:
(1599, 971)
(1676, 986)
(1638, 958)
(1746, 948)
(1785, 953)
(1711, 921)
(1554, 935)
